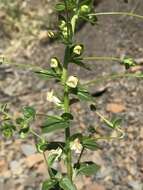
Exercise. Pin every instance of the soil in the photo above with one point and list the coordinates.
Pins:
(121, 160)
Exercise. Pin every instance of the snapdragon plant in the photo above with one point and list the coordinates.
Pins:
(70, 13)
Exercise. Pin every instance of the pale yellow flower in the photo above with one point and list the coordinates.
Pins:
(76, 146)
(54, 63)
(72, 82)
(77, 49)
(52, 98)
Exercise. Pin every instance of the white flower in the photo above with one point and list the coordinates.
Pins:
(52, 98)
(72, 82)
(76, 146)
(77, 49)
(54, 62)
(57, 152)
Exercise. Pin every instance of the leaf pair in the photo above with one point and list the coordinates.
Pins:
(54, 123)
(55, 184)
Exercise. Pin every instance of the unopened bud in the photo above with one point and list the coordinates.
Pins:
(85, 9)
(51, 34)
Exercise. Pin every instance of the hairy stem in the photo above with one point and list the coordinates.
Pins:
(67, 109)
(111, 77)
(118, 13)
(102, 58)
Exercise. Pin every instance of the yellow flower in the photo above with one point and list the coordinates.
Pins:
(72, 82)
(52, 98)
(76, 146)
(77, 49)
(54, 63)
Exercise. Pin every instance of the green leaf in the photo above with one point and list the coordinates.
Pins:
(29, 112)
(51, 159)
(128, 62)
(54, 123)
(116, 122)
(67, 116)
(7, 129)
(49, 184)
(87, 168)
(47, 74)
(81, 64)
(90, 143)
(42, 145)
(83, 94)
(66, 184)
(60, 7)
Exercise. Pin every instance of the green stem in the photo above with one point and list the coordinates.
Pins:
(111, 77)
(118, 13)
(67, 109)
(48, 168)
(81, 153)
(21, 65)
(102, 58)
(35, 134)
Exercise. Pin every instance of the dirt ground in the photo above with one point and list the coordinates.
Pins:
(121, 160)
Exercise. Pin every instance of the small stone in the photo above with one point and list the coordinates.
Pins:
(115, 107)
(3, 165)
(33, 159)
(28, 149)
(95, 187)
(16, 167)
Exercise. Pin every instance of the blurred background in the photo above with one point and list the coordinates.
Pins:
(24, 40)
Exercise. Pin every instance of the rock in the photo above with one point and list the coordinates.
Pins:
(115, 107)
(3, 165)
(95, 187)
(28, 149)
(136, 185)
(33, 159)
(16, 167)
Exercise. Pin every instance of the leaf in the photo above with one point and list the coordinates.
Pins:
(7, 128)
(47, 74)
(60, 7)
(67, 116)
(90, 143)
(87, 168)
(51, 159)
(29, 112)
(54, 123)
(81, 64)
(116, 122)
(49, 184)
(83, 94)
(66, 184)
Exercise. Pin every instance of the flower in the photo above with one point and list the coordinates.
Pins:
(52, 98)
(72, 82)
(54, 62)
(77, 49)
(58, 152)
(76, 146)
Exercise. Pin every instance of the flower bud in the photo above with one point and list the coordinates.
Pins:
(77, 49)
(54, 62)
(84, 9)
(62, 24)
(51, 34)
(76, 146)
(72, 82)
